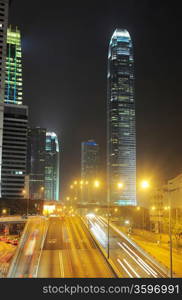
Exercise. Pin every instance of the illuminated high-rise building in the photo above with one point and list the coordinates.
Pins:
(89, 160)
(3, 37)
(36, 162)
(121, 140)
(13, 81)
(3, 42)
(52, 167)
(15, 122)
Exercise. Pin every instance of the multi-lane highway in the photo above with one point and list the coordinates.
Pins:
(63, 247)
(58, 247)
(69, 251)
(129, 259)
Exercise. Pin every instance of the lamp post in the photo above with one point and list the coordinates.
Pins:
(24, 193)
(119, 186)
(170, 232)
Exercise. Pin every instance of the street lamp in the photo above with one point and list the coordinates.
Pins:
(24, 193)
(96, 183)
(145, 184)
(119, 186)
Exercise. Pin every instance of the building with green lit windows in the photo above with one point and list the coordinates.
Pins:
(51, 167)
(121, 140)
(13, 80)
(15, 122)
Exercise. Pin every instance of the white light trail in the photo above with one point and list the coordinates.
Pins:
(133, 258)
(141, 260)
(137, 275)
(124, 268)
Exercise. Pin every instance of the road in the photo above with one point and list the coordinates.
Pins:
(26, 258)
(69, 251)
(128, 258)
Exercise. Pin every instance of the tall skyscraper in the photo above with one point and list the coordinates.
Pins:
(121, 140)
(36, 162)
(52, 167)
(15, 122)
(89, 160)
(3, 37)
(13, 81)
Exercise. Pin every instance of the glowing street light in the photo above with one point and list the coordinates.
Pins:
(120, 185)
(167, 207)
(127, 222)
(96, 183)
(145, 184)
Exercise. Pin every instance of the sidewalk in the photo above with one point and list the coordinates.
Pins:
(149, 242)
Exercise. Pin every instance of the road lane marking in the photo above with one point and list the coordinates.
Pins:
(137, 275)
(137, 247)
(61, 264)
(146, 271)
(142, 261)
(42, 244)
(124, 268)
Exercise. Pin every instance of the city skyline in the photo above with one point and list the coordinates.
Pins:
(90, 148)
(74, 120)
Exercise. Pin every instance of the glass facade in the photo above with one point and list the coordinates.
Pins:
(52, 167)
(36, 162)
(13, 80)
(4, 4)
(121, 140)
(89, 160)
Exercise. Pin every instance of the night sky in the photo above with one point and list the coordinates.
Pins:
(65, 49)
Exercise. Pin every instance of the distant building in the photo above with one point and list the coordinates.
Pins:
(162, 199)
(121, 140)
(52, 180)
(89, 172)
(13, 80)
(89, 160)
(3, 37)
(14, 150)
(36, 162)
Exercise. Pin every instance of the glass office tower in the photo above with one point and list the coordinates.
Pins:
(4, 4)
(89, 160)
(52, 167)
(121, 140)
(13, 81)
(36, 162)
(15, 121)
